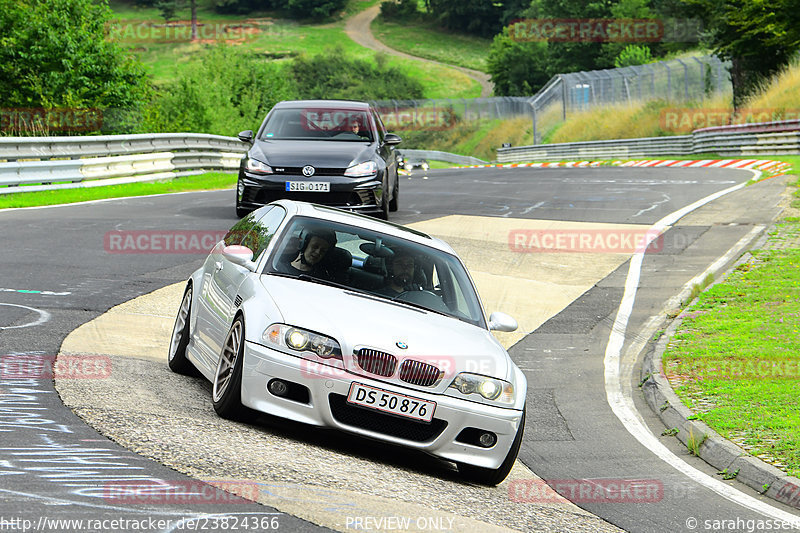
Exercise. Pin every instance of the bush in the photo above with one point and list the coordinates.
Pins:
(333, 75)
(55, 54)
(633, 54)
(314, 8)
(398, 10)
(228, 90)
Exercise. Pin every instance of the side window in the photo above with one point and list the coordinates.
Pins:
(260, 235)
(240, 230)
(379, 125)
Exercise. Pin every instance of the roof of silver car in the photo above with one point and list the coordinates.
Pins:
(365, 221)
(355, 104)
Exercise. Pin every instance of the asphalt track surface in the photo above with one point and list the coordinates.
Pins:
(57, 275)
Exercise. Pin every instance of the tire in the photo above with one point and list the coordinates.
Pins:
(226, 394)
(492, 476)
(383, 214)
(394, 203)
(176, 359)
(241, 212)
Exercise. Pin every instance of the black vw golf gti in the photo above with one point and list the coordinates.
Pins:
(332, 152)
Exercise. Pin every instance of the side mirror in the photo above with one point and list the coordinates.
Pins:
(239, 255)
(502, 322)
(246, 136)
(392, 139)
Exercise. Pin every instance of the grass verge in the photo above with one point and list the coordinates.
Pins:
(426, 39)
(735, 360)
(273, 38)
(209, 181)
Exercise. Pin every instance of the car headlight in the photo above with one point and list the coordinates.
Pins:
(301, 340)
(492, 389)
(362, 170)
(257, 167)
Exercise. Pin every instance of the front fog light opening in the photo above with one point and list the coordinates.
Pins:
(278, 387)
(477, 437)
(288, 390)
(487, 439)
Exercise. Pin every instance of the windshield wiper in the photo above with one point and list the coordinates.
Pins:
(313, 279)
(323, 281)
(418, 306)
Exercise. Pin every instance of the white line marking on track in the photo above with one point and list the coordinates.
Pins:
(44, 316)
(621, 401)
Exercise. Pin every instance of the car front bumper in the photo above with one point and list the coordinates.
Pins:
(355, 194)
(326, 405)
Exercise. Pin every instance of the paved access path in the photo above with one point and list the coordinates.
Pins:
(358, 29)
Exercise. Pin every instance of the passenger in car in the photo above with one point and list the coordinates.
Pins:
(314, 245)
(400, 275)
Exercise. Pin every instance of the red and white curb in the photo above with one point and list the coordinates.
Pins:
(764, 165)
(773, 168)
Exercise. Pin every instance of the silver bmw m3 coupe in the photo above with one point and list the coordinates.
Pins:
(336, 319)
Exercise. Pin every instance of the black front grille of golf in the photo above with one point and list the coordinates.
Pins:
(419, 373)
(375, 362)
(394, 426)
(298, 171)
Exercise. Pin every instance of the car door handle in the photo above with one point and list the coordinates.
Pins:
(217, 266)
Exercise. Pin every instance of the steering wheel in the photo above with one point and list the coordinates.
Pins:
(424, 298)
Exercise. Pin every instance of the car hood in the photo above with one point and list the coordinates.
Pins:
(321, 154)
(357, 321)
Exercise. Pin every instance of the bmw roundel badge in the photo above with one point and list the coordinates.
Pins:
(401, 345)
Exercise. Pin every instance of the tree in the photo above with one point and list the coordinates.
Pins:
(203, 101)
(54, 53)
(758, 37)
(479, 17)
(168, 9)
(518, 68)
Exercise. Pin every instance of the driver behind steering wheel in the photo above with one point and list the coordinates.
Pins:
(400, 275)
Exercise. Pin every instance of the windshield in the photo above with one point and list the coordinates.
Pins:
(376, 264)
(306, 123)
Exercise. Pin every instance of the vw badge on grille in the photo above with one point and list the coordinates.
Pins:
(308, 171)
(401, 345)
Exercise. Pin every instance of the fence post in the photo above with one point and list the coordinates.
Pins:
(669, 82)
(685, 79)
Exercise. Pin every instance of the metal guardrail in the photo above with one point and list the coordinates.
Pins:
(436, 155)
(778, 138)
(84, 161)
(13, 148)
(49, 163)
